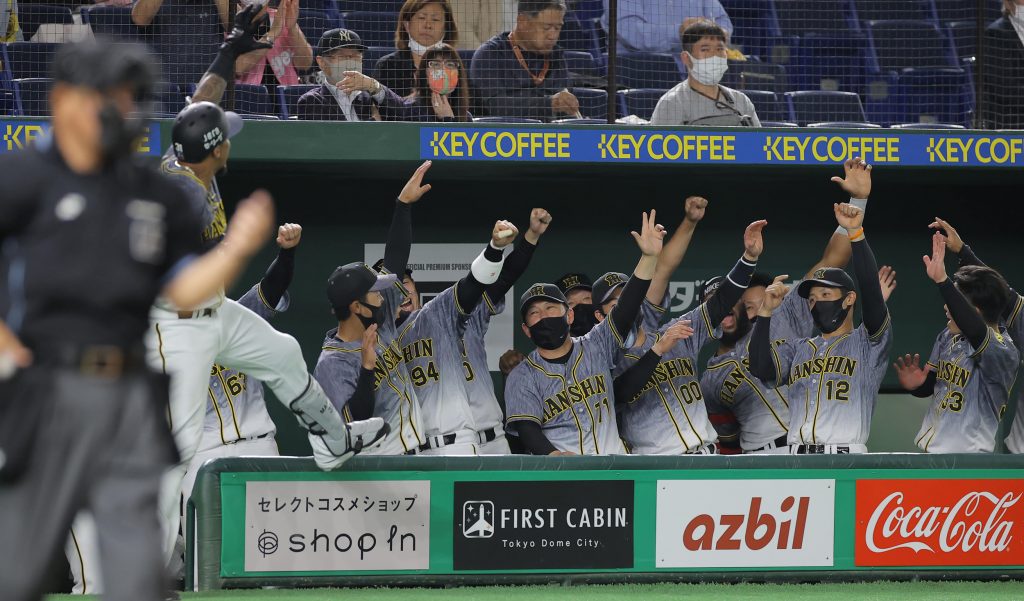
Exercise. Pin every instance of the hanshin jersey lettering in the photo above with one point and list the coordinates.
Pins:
(971, 389)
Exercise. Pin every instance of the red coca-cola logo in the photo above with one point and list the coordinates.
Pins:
(940, 522)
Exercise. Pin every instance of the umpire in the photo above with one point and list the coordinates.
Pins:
(90, 238)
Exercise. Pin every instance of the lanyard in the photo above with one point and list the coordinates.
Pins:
(537, 79)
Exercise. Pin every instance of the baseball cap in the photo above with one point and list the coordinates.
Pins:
(199, 128)
(710, 287)
(540, 292)
(605, 285)
(351, 282)
(101, 64)
(571, 281)
(379, 267)
(335, 39)
(833, 277)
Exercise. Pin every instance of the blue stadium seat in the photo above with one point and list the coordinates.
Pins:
(926, 126)
(253, 100)
(593, 103)
(583, 121)
(897, 45)
(648, 70)
(769, 106)
(879, 10)
(333, 10)
(933, 96)
(31, 16)
(169, 98)
(504, 120)
(778, 124)
(965, 38)
(31, 96)
(755, 25)
(586, 10)
(827, 61)
(813, 106)
(375, 28)
(751, 75)
(7, 104)
(114, 21)
(582, 63)
(844, 125)
(390, 6)
(798, 17)
(370, 57)
(580, 35)
(967, 10)
(288, 97)
(25, 60)
(314, 23)
(640, 102)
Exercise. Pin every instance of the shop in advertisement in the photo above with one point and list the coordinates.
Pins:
(940, 522)
(543, 525)
(745, 523)
(337, 526)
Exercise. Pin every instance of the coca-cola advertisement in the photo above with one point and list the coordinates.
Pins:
(940, 522)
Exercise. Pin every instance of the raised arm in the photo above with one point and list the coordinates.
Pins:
(519, 259)
(649, 240)
(764, 362)
(630, 383)
(721, 303)
(399, 245)
(485, 268)
(965, 256)
(856, 182)
(967, 318)
(279, 275)
(865, 268)
(239, 41)
(675, 249)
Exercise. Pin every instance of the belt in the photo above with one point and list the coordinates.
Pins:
(778, 443)
(248, 438)
(436, 442)
(208, 312)
(101, 361)
(822, 449)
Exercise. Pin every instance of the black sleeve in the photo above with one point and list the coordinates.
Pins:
(624, 314)
(469, 290)
(278, 277)
(399, 245)
(532, 437)
(360, 404)
(925, 390)
(761, 363)
(866, 269)
(721, 303)
(515, 265)
(631, 382)
(966, 317)
(966, 256)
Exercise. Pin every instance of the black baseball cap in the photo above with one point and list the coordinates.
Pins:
(199, 128)
(379, 267)
(710, 287)
(832, 277)
(102, 63)
(335, 39)
(605, 285)
(572, 281)
(540, 292)
(351, 282)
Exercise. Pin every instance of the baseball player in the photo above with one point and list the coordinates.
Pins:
(1012, 316)
(444, 349)
(834, 377)
(668, 416)
(973, 361)
(560, 400)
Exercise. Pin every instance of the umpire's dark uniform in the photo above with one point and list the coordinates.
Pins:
(85, 425)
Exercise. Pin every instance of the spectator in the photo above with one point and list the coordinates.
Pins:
(646, 26)
(700, 100)
(10, 31)
(441, 88)
(422, 25)
(1002, 66)
(480, 19)
(523, 73)
(291, 52)
(185, 33)
(345, 94)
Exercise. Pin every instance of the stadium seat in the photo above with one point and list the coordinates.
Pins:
(31, 96)
(113, 21)
(932, 96)
(756, 76)
(504, 120)
(31, 16)
(814, 106)
(375, 28)
(391, 6)
(844, 125)
(580, 36)
(966, 10)
(6, 103)
(593, 103)
(755, 25)
(769, 106)
(829, 61)
(582, 121)
(879, 10)
(333, 11)
(965, 38)
(253, 100)
(288, 97)
(897, 45)
(778, 124)
(373, 54)
(648, 70)
(314, 23)
(926, 126)
(169, 98)
(582, 63)
(28, 60)
(798, 17)
(586, 10)
(639, 102)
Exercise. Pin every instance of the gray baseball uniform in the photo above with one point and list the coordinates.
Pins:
(395, 399)
(650, 320)
(971, 388)
(573, 401)
(1015, 326)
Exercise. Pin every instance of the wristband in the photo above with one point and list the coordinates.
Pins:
(857, 235)
(860, 203)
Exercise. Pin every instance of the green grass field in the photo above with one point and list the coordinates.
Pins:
(869, 591)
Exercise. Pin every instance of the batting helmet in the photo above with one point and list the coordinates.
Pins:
(199, 128)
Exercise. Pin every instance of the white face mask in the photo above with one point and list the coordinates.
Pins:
(335, 70)
(419, 49)
(708, 71)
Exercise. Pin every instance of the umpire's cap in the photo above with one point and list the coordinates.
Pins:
(199, 128)
(605, 285)
(538, 292)
(102, 64)
(351, 282)
(831, 277)
(574, 281)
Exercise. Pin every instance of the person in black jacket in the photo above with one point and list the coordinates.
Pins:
(1002, 68)
(422, 25)
(442, 88)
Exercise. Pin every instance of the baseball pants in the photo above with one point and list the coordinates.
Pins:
(468, 443)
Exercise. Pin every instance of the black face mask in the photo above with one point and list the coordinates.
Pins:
(377, 316)
(583, 320)
(743, 325)
(118, 134)
(550, 333)
(829, 315)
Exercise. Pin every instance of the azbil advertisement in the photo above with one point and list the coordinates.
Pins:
(940, 522)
